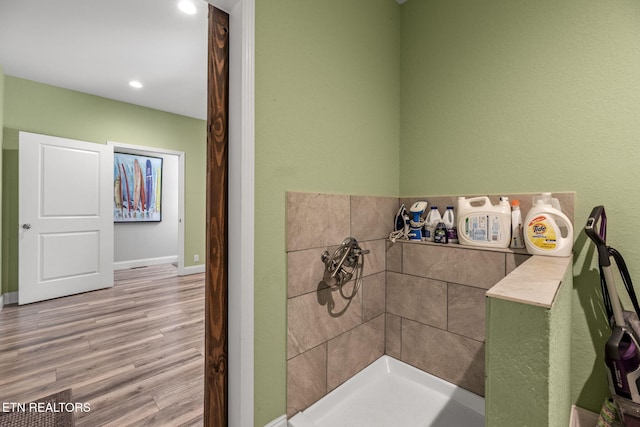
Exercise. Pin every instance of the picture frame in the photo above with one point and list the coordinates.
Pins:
(137, 184)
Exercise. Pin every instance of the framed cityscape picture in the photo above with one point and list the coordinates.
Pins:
(137, 188)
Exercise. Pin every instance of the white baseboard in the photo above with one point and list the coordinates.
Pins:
(193, 269)
(10, 298)
(581, 417)
(278, 422)
(125, 265)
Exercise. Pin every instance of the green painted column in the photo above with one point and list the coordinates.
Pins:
(528, 360)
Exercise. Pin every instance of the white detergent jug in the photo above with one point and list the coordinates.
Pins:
(517, 230)
(450, 224)
(482, 224)
(433, 218)
(547, 230)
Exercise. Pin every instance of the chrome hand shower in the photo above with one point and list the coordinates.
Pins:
(340, 268)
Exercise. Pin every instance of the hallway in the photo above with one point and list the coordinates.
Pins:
(133, 352)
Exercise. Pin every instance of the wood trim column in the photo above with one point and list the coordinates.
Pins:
(216, 279)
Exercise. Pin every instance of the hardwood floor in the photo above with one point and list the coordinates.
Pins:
(133, 352)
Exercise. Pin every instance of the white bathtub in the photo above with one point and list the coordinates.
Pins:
(390, 393)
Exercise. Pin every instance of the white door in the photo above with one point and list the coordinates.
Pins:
(66, 217)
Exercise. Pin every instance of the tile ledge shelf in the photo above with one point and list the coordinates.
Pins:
(535, 282)
(461, 246)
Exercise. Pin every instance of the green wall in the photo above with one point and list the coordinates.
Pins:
(514, 96)
(495, 96)
(40, 108)
(327, 110)
(9, 219)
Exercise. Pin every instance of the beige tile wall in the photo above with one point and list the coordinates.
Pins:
(420, 303)
(436, 307)
(436, 298)
(329, 338)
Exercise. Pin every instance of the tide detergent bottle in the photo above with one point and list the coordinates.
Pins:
(548, 231)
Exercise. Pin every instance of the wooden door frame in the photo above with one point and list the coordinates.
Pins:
(241, 203)
(217, 234)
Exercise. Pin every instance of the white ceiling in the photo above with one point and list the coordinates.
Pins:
(98, 46)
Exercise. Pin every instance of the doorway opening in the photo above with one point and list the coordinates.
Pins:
(176, 162)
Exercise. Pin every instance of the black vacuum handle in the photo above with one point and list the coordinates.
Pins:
(596, 230)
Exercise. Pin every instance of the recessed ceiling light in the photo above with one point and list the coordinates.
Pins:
(136, 84)
(187, 7)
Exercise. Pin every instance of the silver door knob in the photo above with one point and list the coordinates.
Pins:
(26, 226)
